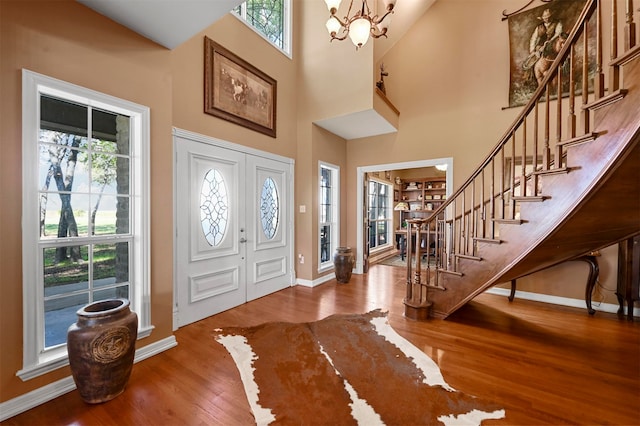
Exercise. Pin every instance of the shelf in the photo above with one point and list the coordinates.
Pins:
(421, 195)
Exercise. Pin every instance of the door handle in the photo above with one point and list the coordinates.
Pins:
(243, 240)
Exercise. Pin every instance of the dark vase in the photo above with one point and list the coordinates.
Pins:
(343, 261)
(101, 347)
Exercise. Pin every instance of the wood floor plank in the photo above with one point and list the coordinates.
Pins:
(545, 364)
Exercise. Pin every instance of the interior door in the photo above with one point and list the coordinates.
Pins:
(210, 214)
(233, 229)
(269, 255)
(365, 224)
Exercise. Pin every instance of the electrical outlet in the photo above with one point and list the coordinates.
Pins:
(300, 258)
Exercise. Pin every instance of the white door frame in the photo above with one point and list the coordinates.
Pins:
(391, 166)
(185, 134)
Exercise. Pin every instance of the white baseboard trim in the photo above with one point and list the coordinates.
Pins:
(314, 283)
(53, 390)
(562, 301)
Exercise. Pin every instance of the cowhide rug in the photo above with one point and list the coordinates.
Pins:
(345, 369)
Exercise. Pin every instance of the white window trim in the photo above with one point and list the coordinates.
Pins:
(287, 30)
(390, 233)
(335, 230)
(36, 361)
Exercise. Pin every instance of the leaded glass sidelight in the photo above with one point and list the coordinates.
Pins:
(214, 207)
(269, 208)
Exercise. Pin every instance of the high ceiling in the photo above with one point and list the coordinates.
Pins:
(172, 22)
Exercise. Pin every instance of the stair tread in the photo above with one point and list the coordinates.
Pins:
(509, 221)
(579, 139)
(447, 271)
(468, 256)
(531, 198)
(488, 240)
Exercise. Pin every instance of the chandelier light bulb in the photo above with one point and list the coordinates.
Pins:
(333, 26)
(360, 22)
(332, 5)
(359, 31)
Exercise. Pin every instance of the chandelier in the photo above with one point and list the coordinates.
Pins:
(359, 25)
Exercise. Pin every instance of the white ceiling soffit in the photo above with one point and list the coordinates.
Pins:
(167, 22)
(357, 125)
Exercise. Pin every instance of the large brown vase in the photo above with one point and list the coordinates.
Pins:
(343, 261)
(101, 347)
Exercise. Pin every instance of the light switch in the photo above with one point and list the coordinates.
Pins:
(303, 209)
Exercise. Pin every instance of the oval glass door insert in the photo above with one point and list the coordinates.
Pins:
(269, 208)
(214, 207)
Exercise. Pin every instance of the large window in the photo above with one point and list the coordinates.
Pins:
(380, 214)
(328, 214)
(85, 211)
(269, 18)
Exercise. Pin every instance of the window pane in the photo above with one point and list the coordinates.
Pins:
(267, 16)
(63, 116)
(120, 292)
(59, 314)
(110, 264)
(382, 232)
(64, 215)
(379, 213)
(61, 162)
(105, 169)
(325, 195)
(325, 243)
(110, 132)
(373, 241)
(109, 215)
(65, 269)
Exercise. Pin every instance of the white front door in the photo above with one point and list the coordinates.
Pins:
(232, 228)
(268, 251)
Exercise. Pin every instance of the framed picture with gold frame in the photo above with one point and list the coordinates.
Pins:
(236, 91)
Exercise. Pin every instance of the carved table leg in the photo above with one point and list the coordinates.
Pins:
(594, 271)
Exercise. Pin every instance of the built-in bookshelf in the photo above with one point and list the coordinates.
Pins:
(423, 195)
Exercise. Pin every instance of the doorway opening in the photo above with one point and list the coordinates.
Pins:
(362, 220)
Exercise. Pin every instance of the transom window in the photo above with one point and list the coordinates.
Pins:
(85, 207)
(380, 214)
(269, 18)
(328, 213)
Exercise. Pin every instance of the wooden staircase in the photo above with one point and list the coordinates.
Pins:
(562, 181)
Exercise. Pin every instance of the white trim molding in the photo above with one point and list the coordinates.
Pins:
(46, 393)
(359, 267)
(314, 283)
(558, 300)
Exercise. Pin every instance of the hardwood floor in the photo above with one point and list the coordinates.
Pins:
(545, 364)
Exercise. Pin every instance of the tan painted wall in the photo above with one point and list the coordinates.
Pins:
(449, 78)
(68, 41)
(187, 65)
(449, 93)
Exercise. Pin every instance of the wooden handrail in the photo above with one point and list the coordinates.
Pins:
(470, 212)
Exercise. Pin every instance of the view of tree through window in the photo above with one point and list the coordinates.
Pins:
(268, 18)
(84, 170)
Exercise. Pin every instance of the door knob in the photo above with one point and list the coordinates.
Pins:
(243, 240)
